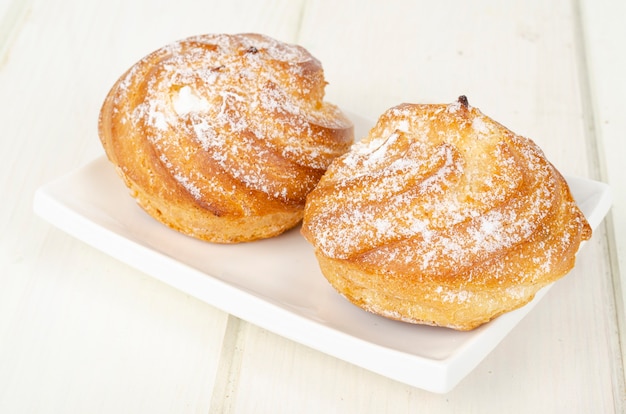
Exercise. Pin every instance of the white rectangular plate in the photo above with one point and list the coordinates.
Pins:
(276, 283)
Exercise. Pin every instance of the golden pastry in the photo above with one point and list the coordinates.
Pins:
(442, 216)
(221, 137)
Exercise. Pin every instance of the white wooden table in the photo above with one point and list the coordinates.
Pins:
(81, 332)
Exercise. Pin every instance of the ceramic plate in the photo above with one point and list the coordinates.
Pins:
(276, 283)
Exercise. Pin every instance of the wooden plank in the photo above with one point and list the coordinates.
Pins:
(602, 31)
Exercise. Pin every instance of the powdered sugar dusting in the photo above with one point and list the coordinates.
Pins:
(186, 101)
(453, 296)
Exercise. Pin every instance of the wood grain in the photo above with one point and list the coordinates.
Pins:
(81, 332)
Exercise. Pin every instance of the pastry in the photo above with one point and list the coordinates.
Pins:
(442, 216)
(221, 137)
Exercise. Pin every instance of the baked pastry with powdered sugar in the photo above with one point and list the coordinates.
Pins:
(442, 216)
(221, 137)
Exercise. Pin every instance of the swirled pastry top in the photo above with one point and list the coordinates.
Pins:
(438, 190)
(227, 118)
